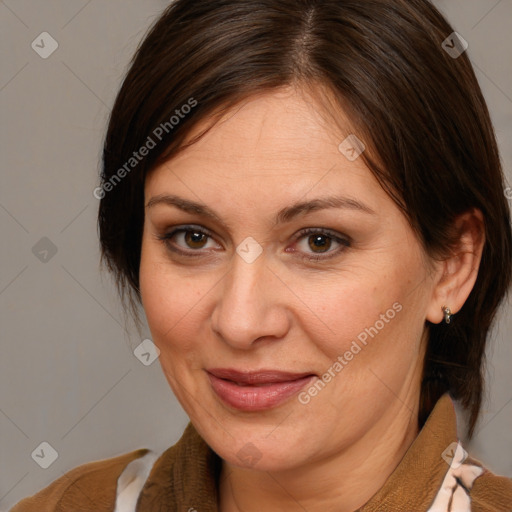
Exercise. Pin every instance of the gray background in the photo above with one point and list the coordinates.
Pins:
(68, 375)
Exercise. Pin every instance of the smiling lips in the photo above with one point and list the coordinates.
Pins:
(256, 391)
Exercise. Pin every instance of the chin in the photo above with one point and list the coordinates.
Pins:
(252, 448)
(251, 457)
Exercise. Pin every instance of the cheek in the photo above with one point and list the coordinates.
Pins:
(173, 303)
(369, 316)
(351, 307)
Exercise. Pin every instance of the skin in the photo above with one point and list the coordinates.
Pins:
(285, 312)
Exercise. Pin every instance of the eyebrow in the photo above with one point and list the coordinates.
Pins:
(305, 207)
(183, 204)
(285, 215)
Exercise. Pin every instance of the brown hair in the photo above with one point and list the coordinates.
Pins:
(420, 112)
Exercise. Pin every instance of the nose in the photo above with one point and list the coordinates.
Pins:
(250, 305)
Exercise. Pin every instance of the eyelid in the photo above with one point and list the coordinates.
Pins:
(168, 235)
(343, 240)
(340, 237)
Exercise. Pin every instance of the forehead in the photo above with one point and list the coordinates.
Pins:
(277, 145)
(285, 124)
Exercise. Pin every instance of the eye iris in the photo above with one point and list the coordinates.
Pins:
(321, 242)
(195, 240)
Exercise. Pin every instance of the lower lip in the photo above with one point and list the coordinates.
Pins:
(256, 398)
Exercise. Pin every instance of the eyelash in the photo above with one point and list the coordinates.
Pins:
(166, 239)
(344, 241)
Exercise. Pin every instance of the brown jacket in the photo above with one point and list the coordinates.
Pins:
(434, 475)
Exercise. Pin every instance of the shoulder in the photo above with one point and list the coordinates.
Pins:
(469, 486)
(139, 480)
(491, 492)
(92, 486)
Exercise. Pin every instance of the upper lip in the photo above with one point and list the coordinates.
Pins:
(256, 377)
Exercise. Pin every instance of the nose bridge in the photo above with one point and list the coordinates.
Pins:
(248, 307)
(243, 280)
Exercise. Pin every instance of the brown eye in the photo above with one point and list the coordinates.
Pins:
(319, 243)
(189, 241)
(195, 239)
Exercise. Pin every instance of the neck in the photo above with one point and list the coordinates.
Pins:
(343, 482)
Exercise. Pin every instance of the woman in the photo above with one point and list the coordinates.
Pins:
(306, 197)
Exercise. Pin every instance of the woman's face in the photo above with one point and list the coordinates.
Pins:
(267, 246)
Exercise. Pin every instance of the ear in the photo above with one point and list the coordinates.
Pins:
(457, 274)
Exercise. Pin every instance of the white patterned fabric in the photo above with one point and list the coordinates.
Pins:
(132, 480)
(454, 493)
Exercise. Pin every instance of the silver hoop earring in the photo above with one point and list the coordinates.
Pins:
(447, 314)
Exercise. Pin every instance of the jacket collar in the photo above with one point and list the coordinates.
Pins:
(185, 477)
(416, 480)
